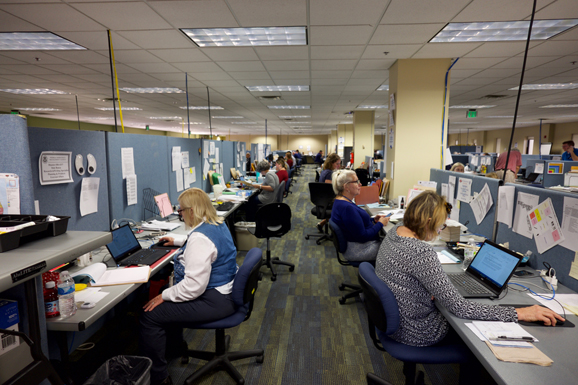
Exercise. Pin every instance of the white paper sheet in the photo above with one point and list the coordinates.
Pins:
(427, 183)
(475, 160)
(464, 190)
(131, 190)
(570, 223)
(506, 204)
(89, 196)
(206, 149)
(206, 168)
(184, 159)
(90, 294)
(524, 204)
(180, 180)
(545, 226)
(451, 189)
(55, 167)
(481, 204)
(177, 158)
(193, 176)
(10, 194)
(445, 191)
(217, 155)
(212, 148)
(539, 168)
(448, 159)
(127, 161)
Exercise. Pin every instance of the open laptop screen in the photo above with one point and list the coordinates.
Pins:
(123, 243)
(494, 264)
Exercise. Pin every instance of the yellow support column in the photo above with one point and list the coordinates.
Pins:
(418, 89)
(363, 132)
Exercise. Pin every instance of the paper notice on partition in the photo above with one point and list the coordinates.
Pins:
(539, 168)
(185, 159)
(89, 196)
(524, 204)
(427, 183)
(127, 161)
(464, 190)
(212, 147)
(9, 194)
(206, 149)
(180, 181)
(217, 155)
(206, 168)
(177, 158)
(506, 204)
(131, 190)
(545, 226)
(451, 189)
(193, 175)
(448, 159)
(55, 167)
(570, 223)
(481, 204)
(445, 191)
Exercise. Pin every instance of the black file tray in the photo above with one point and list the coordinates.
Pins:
(42, 228)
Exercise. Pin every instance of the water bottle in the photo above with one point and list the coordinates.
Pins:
(66, 295)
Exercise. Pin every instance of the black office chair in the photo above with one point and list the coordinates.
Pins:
(243, 294)
(322, 197)
(340, 244)
(273, 220)
(383, 320)
(279, 191)
(287, 188)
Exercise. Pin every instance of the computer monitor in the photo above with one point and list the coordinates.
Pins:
(164, 204)
(545, 148)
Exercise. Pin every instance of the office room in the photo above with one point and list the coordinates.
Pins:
(168, 83)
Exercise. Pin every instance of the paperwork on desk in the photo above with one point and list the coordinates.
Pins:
(526, 202)
(159, 225)
(569, 301)
(100, 276)
(491, 330)
(506, 204)
(446, 258)
(545, 226)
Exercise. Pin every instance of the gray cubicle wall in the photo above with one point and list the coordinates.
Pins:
(152, 167)
(560, 258)
(64, 199)
(526, 158)
(228, 155)
(192, 146)
(556, 179)
(486, 227)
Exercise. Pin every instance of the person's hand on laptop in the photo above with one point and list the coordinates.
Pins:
(538, 313)
(169, 241)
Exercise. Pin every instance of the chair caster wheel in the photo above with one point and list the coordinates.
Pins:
(307, 237)
(273, 278)
(260, 359)
(184, 360)
(341, 287)
(276, 258)
(318, 242)
(342, 301)
(291, 268)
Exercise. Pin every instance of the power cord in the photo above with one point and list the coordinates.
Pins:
(541, 296)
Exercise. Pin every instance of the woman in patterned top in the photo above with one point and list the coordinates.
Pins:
(411, 269)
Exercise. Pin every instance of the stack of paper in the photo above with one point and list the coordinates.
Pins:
(451, 234)
(159, 225)
(508, 334)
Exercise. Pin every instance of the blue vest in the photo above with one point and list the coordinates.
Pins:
(224, 268)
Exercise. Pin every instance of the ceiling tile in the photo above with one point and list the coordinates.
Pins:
(496, 10)
(405, 34)
(283, 53)
(330, 74)
(342, 35)
(417, 11)
(95, 41)
(280, 13)
(444, 50)
(328, 82)
(287, 65)
(241, 66)
(250, 75)
(478, 63)
(230, 53)
(12, 23)
(155, 67)
(362, 74)
(123, 16)
(202, 76)
(331, 65)
(345, 12)
(336, 52)
(158, 39)
(53, 17)
(375, 64)
(193, 68)
(399, 51)
(553, 48)
(289, 75)
(81, 57)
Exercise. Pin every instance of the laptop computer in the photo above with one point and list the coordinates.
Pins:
(127, 251)
(489, 272)
(530, 179)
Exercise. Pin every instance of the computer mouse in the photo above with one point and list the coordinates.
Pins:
(162, 243)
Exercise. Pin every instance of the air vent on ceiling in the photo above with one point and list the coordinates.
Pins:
(288, 119)
(270, 97)
(494, 96)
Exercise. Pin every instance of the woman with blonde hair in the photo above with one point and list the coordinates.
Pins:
(203, 280)
(413, 272)
(457, 167)
(281, 168)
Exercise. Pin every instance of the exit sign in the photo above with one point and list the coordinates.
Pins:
(472, 114)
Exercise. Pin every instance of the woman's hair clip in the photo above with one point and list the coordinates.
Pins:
(448, 208)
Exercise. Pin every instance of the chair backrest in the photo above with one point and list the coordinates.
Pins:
(321, 194)
(379, 301)
(367, 194)
(287, 185)
(338, 238)
(362, 175)
(247, 278)
(272, 220)
(279, 190)
(290, 173)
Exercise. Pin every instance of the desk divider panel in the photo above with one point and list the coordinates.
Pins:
(240, 149)
(556, 179)
(463, 159)
(152, 164)
(192, 146)
(560, 258)
(526, 158)
(63, 199)
(486, 227)
(206, 183)
(228, 158)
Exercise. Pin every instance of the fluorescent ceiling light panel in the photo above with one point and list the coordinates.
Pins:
(247, 37)
(40, 41)
(294, 117)
(502, 31)
(202, 108)
(153, 90)
(298, 126)
(383, 87)
(346, 122)
(371, 106)
(37, 109)
(560, 106)
(473, 107)
(277, 88)
(243, 122)
(166, 117)
(289, 107)
(552, 86)
(124, 108)
(33, 91)
(227, 117)
(100, 118)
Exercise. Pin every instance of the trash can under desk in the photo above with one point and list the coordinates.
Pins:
(245, 240)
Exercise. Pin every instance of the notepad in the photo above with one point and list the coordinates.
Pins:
(100, 276)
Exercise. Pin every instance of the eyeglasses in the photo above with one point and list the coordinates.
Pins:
(180, 211)
(354, 181)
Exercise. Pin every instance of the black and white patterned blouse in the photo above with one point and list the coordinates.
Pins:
(413, 272)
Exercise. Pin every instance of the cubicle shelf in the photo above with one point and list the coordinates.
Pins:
(51, 251)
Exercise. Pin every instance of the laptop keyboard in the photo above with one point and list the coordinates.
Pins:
(467, 284)
(139, 257)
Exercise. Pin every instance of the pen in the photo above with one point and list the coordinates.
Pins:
(506, 338)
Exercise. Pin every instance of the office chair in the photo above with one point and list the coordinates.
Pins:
(243, 294)
(341, 247)
(279, 191)
(322, 197)
(383, 318)
(362, 175)
(287, 188)
(273, 220)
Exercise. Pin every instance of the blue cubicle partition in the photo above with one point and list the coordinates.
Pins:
(206, 183)
(526, 158)
(464, 149)
(64, 199)
(228, 155)
(560, 258)
(550, 180)
(486, 227)
(192, 146)
(463, 159)
(152, 164)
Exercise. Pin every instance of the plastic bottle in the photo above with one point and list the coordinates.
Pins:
(66, 295)
(51, 300)
(526, 257)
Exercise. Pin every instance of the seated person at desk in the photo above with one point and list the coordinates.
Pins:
(289, 159)
(411, 269)
(457, 167)
(514, 164)
(361, 232)
(267, 190)
(570, 153)
(203, 281)
(332, 163)
(248, 160)
(281, 168)
(319, 157)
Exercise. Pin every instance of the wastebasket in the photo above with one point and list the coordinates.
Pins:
(245, 240)
(123, 370)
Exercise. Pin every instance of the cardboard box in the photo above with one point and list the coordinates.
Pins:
(8, 320)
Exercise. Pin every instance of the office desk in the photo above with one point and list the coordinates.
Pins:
(560, 344)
